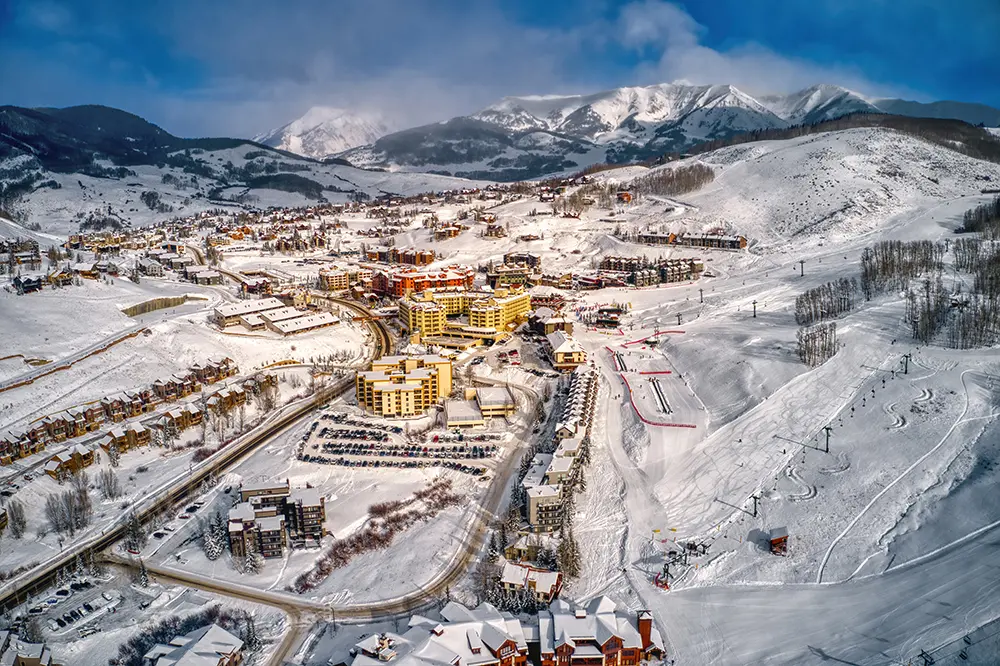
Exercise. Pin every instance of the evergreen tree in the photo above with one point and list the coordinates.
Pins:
(114, 455)
(142, 580)
(493, 553)
(210, 543)
(250, 638)
(502, 537)
(568, 555)
(135, 533)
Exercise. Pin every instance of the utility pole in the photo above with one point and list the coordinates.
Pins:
(828, 430)
(755, 500)
(906, 363)
(678, 318)
(755, 309)
(701, 295)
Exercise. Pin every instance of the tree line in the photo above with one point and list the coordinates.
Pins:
(827, 301)
(983, 219)
(817, 344)
(891, 265)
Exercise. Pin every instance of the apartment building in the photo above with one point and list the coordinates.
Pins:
(398, 386)
(270, 514)
(489, 313)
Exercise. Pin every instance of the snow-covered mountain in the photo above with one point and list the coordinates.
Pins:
(525, 137)
(325, 131)
(100, 166)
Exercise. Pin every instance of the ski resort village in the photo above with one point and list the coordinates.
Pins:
(730, 401)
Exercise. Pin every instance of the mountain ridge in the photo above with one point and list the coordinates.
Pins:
(529, 136)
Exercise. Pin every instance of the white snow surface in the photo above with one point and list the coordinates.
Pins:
(324, 131)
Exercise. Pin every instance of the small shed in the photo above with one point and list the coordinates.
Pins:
(779, 540)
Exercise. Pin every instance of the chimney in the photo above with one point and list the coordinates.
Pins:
(645, 627)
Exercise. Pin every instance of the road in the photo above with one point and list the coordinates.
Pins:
(303, 611)
(18, 589)
(76, 357)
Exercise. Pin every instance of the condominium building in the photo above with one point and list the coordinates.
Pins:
(397, 386)
(489, 313)
(270, 514)
(399, 283)
(229, 314)
(546, 484)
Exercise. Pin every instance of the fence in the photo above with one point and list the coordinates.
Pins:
(158, 304)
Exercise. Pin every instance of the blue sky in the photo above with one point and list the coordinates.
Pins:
(201, 67)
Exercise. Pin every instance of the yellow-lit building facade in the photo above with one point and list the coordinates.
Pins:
(400, 386)
(499, 310)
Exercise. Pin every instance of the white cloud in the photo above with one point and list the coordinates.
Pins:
(672, 40)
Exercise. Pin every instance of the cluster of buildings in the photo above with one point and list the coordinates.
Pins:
(391, 255)
(78, 421)
(272, 314)
(459, 318)
(210, 645)
(714, 241)
(546, 484)
(19, 254)
(642, 272)
(269, 516)
(597, 634)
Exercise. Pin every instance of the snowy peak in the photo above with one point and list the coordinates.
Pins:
(816, 104)
(325, 131)
(601, 114)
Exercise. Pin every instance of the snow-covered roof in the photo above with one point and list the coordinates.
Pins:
(202, 647)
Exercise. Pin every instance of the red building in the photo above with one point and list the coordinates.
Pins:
(402, 282)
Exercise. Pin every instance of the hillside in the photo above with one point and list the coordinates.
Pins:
(63, 167)
(834, 185)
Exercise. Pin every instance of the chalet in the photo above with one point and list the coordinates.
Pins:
(468, 637)
(149, 267)
(596, 635)
(166, 390)
(114, 407)
(60, 277)
(28, 284)
(208, 646)
(545, 585)
(566, 352)
(227, 399)
(15, 444)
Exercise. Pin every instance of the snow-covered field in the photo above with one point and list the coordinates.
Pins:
(415, 557)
